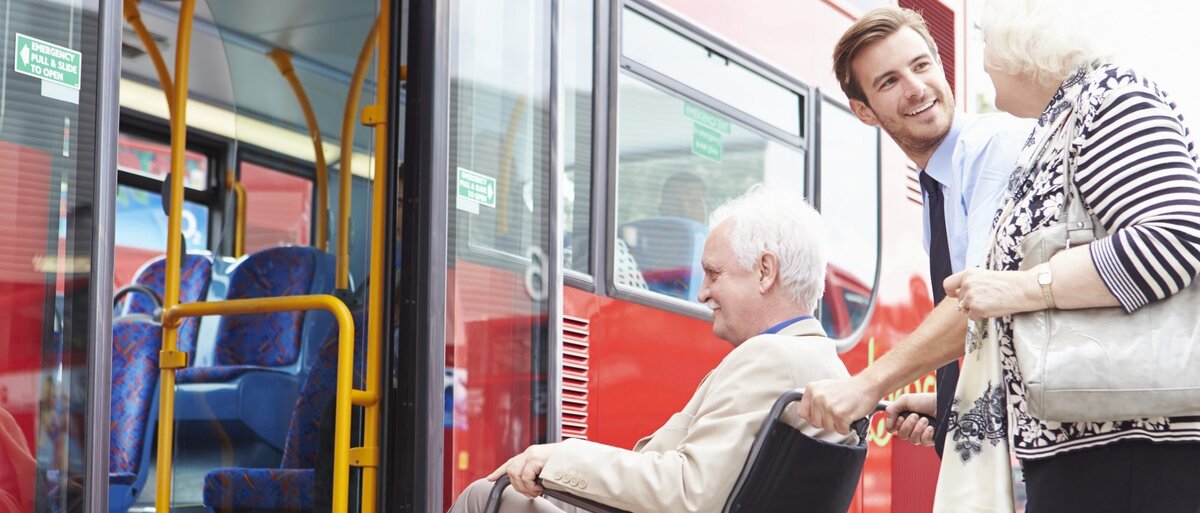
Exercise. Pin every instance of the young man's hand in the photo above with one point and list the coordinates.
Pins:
(523, 469)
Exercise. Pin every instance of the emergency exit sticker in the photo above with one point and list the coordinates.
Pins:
(475, 189)
(706, 142)
(48, 61)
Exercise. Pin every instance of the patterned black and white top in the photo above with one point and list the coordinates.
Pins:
(1139, 174)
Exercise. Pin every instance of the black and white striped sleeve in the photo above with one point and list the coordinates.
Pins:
(1137, 172)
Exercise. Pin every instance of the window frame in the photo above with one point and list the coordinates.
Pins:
(604, 237)
(152, 129)
(290, 166)
(821, 99)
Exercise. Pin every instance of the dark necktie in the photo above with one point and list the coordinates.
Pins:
(939, 270)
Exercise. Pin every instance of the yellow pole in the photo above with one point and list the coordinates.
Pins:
(344, 173)
(134, 16)
(378, 239)
(283, 60)
(239, 215)
(169, 358)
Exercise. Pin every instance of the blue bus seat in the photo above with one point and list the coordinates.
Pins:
(137, 340)
(289, 487)
(667, 251)
(195, 275)
(259, 359)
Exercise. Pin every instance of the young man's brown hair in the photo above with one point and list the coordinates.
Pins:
(874, 26)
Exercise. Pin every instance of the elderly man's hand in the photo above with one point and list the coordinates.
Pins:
(914, 428)
(523, 469)
(834, 404)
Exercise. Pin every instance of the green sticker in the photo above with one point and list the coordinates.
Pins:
(47, 61)
(706, 118)
(706, 142)
(476, 187)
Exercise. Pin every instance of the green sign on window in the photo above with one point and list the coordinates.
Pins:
(706, 118)
(706, 142)
(476, 187)
(47, 61)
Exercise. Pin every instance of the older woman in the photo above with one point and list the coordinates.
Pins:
(1136, 170)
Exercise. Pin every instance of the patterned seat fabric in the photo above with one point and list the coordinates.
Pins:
(261, 340)
(218, 374)
(136, 343)
(280, 489)
(291, 486)
(194, 276)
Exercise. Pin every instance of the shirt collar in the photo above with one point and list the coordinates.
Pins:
(940, 164)
(781, 326)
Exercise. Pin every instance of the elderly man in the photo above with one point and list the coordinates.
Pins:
(764, 272)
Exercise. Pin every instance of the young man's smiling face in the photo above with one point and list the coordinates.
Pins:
(907, 93)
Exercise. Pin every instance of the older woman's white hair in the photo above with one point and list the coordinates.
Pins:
(779, 221)
(1045, 40)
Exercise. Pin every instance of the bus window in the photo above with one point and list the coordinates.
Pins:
(153, 159)
(848, 189)
(278, 207)
(577, 77)
(677, 160)
(141, 233)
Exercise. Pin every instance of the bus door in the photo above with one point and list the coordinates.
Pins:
(479, 279)
(57, 103)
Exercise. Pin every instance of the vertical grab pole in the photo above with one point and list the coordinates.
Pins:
(347, 153)
(378, 238)
(169, 358)
(283, 61)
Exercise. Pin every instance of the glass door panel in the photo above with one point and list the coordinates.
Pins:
(48, 171)
(497, 325)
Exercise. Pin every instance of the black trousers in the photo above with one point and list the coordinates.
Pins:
(1123, 477)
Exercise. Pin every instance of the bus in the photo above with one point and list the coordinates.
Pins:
(498, 205)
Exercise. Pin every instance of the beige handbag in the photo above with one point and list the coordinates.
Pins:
(1102, 364)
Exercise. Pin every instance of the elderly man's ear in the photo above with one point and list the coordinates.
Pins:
(768, 272)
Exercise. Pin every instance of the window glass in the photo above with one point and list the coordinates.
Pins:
(153, 159)
(278, 207)
(577, 73)
(848, 164)
(668, 52)
(141, 230)
(676, 161)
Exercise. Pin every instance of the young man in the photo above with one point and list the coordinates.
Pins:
(762, 290)
(887, 64)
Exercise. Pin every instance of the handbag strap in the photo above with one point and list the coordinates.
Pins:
(1081, 224)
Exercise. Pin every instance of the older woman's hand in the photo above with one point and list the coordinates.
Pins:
(983, 294)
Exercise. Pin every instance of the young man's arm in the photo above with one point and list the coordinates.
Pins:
(834, 404)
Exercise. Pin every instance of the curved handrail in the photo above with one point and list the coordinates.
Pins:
(283, 61)
(347, 152)
(134, 16)
(345, 373)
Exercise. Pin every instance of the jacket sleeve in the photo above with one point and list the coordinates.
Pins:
(699, 474)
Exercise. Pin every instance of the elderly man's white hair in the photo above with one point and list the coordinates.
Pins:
(1044, 39)
(779, 221)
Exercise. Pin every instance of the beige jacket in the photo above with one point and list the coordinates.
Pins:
(691, 463)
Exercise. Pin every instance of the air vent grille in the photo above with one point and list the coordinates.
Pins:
(575, 370)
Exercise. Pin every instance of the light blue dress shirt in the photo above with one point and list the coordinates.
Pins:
(973, 164)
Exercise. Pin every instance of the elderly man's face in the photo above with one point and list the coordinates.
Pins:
(732, 292)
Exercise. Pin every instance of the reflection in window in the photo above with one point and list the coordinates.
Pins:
(577, 77)
(848, 163)
(153, 159)
(141, 230)
(278, 207)
(677, 160)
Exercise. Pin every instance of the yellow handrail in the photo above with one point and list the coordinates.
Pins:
(347, 151)
(239, 219)
(283, 60)
(169, 358)
(379, 120)
(134, 16)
